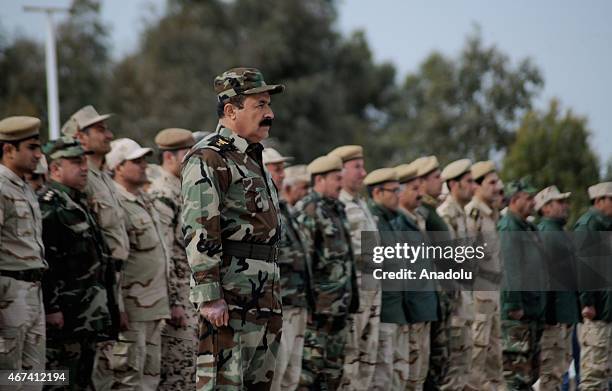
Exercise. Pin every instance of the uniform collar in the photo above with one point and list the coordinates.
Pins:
(72, 193)
(408, 214)
(387, 213)
(345, 196)
(482, 206)
(10, 175)
(126, 194)
(174, 181)
(429, 201)
(241, 143)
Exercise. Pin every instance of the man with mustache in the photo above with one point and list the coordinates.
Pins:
(75, 286)
(232, 227)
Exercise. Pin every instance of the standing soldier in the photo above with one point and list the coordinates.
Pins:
(392, 362)
(145, 275)
(596, 332)
(295, 290)
(362, 343)
(481, 219)
(22, 325)
(562, 301)
(231, 226)
(322, 218)
(296, 184)
(421, 305)
(522, 305)
(179, 334)
(75, 286)
(90, 128)
(459, 318)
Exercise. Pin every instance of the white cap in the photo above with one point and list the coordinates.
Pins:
(551, 193)
(124, 149)
(271, 155)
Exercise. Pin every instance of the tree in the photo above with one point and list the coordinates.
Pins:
(553, 148)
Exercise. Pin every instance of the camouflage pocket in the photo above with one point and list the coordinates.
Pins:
(24, 218)
(9, 356)
(142, 233)
(256, 195)
(104, 212)
(516, 336)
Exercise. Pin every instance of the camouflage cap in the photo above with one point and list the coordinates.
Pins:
(522, 185)
(64, 147)
(243, 81)
(551, 193)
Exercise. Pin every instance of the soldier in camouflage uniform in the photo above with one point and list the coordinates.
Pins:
(75, 286)
(179, 334)
(22, 325)
(596, 332)
(295, 288)
(522, 310)
(145, 277)
(232, 227)
(362, 344)
(323, 220)
(459, 319)
(481, 222)
(90, 128)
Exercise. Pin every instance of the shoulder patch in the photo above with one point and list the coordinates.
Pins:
(220, 143)
(475, 213)
(49, 195)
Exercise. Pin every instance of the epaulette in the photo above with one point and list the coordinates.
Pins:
(221, 144)
(49, 195)
(475, 213)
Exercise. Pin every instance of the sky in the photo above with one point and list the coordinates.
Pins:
(570, 41)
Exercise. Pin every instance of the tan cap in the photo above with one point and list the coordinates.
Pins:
(406, 172)
(381, 175)
(551, 193)
(86, 116)
(325, 164)
(456, 169)
(18, 128)
(480, 169)
(297, 173)
(603, 189)
(42, 168)
(348, 152)
(174, 138)
(426, 164)
(271, 155)
(125, 149)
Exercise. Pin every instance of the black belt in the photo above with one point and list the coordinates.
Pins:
(30, 275)
(262, 252)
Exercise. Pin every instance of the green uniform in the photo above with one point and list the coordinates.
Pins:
(326, 229)
(79, 282)
(231, 226)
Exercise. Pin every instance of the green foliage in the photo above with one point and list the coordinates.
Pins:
(553, 149)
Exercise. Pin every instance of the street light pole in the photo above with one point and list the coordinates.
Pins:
(51, 68)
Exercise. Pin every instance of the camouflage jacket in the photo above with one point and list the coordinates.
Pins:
(294, 262)
(481, 224)
(144, 279)
(227, 195)
(21, 245)
(80, 275)
(328, 241)
(165, 192)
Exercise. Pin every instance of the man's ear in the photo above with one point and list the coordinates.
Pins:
(229, 111)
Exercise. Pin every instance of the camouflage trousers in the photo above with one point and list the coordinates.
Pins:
(178, 352)
(289, 358)
(324, 342)
(76, 355)
(418, 346)
(521, 350)
(555, 355)
(103, 373)
(362, 343)
(487, 368)
(22, 327)
(392, 362)
(595, 355)
(137, 356)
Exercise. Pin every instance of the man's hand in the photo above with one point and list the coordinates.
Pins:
(516, 315)
(177, 316)
(216, 312)
(55, 320)
(588, 312)
(123, 321)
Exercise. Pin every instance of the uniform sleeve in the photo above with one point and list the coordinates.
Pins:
(1, 215)
(167, 230)
(355, 218)
(53, 278)
(511, 263)
(205, 178)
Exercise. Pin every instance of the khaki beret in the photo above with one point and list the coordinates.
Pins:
(86, 116)
(348, 152)
(480, 169)
(325, 164)
(271, 155)
(18, 128)
(174, 138)
(297, 173)
(456, 169)
(426, 164)
(603, 189)
(406, 172)
(551, 193)
(381, 175)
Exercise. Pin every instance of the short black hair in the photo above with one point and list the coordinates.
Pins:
(13, 143)
(236, 100)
